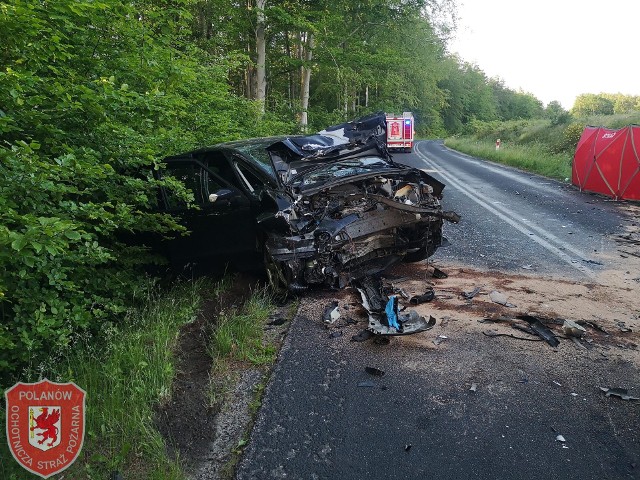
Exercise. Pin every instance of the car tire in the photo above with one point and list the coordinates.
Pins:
(418, 256)
(434, 241)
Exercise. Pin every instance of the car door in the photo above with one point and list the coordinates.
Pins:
(220, 227)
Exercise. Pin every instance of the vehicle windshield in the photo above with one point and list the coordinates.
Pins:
(343, 168)
(256, 153)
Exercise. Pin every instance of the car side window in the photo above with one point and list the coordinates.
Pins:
(251, 181)
(196, 179)
(190, 175)
(210, 184)
(221, 167)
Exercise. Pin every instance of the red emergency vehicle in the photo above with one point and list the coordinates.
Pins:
(400, 132)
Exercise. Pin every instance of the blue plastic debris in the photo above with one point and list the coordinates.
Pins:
(391, 311)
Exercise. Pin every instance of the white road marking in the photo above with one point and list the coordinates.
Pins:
(545, 239)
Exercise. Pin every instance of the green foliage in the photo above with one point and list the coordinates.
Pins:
(92, 100)
(613, 121)
(591, 104)
(570, 137)
(126, 370)
(238, 335)
(556, 114)
(540, 146)
(533, 157)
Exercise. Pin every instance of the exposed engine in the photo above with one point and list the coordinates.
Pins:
(348, 231)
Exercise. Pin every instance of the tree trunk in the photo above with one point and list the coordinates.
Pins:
(261, 55)
(306, 79)
(291, 87)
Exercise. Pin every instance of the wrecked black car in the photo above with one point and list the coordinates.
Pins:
(324, 209)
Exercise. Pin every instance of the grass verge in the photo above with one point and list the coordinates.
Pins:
(125, 372)
(238, 341)
(531, 157)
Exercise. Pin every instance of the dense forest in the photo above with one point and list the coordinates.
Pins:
(94, 94)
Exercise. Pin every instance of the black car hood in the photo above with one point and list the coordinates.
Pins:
(294, 156)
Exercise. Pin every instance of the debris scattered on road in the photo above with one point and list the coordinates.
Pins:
(366, 384)
(331, 313)
(374, 371)
(440, 339)
(336, 334)
(627, 239)
(593, 325)
(578, 343)
(407, 447)
(572, 329)
(618, 392)
(560, 438)
(541, 330)
(363, 336)
(525, 329)
(493, 333)
(370, 289)
(474, 387)
(400, 292)
(500, 299)
(592, 262)
(623, 328)
(527, 267)
(557, 383)
(496, 319)
(392, 313)
(424, 298)
(384, 317)
(471, 294)
(437, 273)
(629, 253)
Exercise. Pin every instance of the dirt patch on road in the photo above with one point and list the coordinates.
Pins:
(612, 307)
(607, 309)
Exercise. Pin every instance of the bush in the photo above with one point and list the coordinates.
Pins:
(89, 109)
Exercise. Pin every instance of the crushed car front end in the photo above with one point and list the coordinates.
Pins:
(353, 212)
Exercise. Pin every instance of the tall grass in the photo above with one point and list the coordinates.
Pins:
(530, 157)
(239, 333)
(125, 372)
(535, 145)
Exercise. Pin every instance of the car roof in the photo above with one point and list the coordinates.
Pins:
(232, 144)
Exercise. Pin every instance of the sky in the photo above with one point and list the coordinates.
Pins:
(554, 49)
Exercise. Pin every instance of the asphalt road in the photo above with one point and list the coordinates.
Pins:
(324, 417)
(511, 219)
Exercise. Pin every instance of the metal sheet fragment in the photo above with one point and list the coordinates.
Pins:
(471, 294)
(425, 297)
(618, 392)
(331, 313)
(500, 299)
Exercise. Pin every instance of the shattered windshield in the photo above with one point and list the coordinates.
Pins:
(256, 153)
(344, 168)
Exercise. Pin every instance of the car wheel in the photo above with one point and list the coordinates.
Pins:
(418, 255)
(433, 241)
